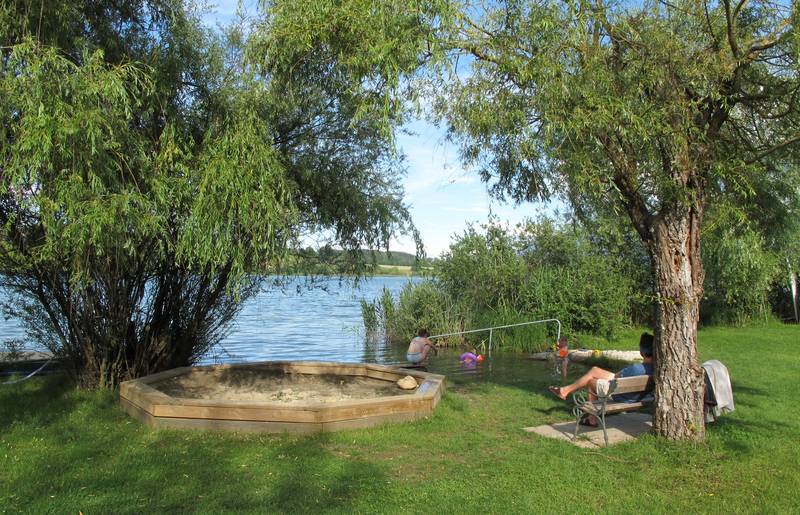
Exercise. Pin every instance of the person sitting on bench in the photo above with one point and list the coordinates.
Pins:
(598, 377)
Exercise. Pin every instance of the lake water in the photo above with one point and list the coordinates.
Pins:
(294, 322)
(325, 324)
(322, 323)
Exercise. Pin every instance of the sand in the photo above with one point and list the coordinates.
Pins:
(270, 386)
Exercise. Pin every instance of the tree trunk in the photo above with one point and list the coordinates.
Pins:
(678, 273)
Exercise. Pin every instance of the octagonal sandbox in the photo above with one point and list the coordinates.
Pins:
(299, 396)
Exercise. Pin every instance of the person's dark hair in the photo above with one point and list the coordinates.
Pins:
(423, 333)
(646, 345)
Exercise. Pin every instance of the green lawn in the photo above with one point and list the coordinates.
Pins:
(65, 451)
(393, 270)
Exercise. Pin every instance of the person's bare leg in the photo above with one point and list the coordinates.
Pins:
(584, 381)
(425, 350)
(591, 420)
(592, 389)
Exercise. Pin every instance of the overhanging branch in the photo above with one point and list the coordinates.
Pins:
(783, 144)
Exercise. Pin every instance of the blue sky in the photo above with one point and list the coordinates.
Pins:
(442, 196)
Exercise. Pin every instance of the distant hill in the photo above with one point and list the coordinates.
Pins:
(327, 260)
(394, 258)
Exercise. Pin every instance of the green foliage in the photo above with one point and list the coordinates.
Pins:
(482, 268)
(418, 305)
(12, 350)
(102, 222)
(374, 44)
(531, 115)
(369, 313)
(71, 151)
(740, 273)
(395, 258)
(651, 109)
(614, 238)
(502, 278)
(242, 209)
(330, 261)
(150, 165)
(596, 293)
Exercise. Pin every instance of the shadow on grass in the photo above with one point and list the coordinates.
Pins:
(749, 396)
(41, 401)
(224, 473)
(318, 480)
(554, 409)
(79, 451)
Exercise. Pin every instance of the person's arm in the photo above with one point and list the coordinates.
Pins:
(631, 371)
(430, 344)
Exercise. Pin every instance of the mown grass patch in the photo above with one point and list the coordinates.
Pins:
(66, 450)
(401, 270)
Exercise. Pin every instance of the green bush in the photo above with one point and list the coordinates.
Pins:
(503, 278)
(739, 275)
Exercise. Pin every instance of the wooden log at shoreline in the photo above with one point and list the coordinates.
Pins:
(6, 357)
(28, 361)
(580, 355)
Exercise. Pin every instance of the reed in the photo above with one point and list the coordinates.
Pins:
(502, 278)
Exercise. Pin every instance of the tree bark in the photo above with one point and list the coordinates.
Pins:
(678, 273)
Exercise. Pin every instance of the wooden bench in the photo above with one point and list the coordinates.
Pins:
(605, 405)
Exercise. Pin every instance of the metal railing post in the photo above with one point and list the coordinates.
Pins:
(491, 330)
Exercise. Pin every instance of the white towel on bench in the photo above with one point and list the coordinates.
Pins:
(720, 382)
(602, 386)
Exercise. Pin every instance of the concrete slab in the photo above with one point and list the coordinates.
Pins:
(621, 428)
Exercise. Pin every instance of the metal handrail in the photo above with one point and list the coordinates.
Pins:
(491, 330)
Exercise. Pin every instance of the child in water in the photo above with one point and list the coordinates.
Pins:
(419, 348)
(562, 355)
(470, 358)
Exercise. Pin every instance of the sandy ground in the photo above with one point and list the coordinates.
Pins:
(266, 386)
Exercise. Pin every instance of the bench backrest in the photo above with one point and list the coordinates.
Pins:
(632, 384)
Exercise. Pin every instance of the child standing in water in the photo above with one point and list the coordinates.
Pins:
(419, 347)
(562, 355)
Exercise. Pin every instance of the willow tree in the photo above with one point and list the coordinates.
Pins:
(653, 109)
(149, 168)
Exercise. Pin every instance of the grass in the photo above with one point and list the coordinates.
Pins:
(401, 270)
(65, 451)
(394, 270)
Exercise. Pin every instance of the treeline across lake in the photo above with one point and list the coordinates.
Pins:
(594, 279)
(330, 261)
